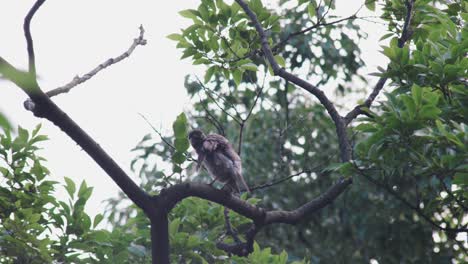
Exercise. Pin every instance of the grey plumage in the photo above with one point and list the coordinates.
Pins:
(217, 155)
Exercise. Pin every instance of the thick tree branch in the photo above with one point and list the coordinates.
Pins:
(171, 196)
(45, 108)
(178, 192)
(405, 36)
(28, 36)
(345, 147)
(294, 216)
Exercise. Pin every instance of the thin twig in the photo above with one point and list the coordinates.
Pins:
(407, 203)
(212, 119)
(270, 184)
(28, 36)
(249, 113)
(140, 40)
(157, 132)
(450, 193)
(229, 230)
(217, 104)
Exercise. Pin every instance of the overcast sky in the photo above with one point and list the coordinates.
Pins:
(73, 37)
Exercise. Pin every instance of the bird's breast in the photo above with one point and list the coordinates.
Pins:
(219, 166)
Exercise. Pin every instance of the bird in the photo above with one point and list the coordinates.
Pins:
(218, 156)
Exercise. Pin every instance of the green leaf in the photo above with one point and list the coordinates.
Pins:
(312, 9)
(386, 36)
(174, 36)
(410, 105)
(460, 179)
(189, 13)
(250, 67)
(416, 92)
(181, 144)
(4, 123)
(178, 157)
(280, 60)
(70, 186)
(366, 127)
(83, 189)
(180, 126)
(370, 4)
(237, 74)
(429, 112)
(174, 226)
(209, 73)
(23, 134)
(97, 219)
(100, 236)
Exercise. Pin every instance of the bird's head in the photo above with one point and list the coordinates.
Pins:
(196, 138)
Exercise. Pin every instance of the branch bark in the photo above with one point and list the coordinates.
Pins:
(405, 36)
(345, 146)
(28, 36)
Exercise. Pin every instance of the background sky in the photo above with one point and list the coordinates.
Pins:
(73, 37)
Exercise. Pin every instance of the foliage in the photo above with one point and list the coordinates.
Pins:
(35, 227)
(409, 156)
(408, 201)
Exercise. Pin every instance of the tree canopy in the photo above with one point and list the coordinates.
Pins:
(383, 179)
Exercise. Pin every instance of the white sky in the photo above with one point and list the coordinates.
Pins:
(73, 37)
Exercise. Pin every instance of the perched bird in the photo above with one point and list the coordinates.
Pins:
(217, 155)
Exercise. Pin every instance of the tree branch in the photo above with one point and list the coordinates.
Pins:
(405, 36)
(28, 36)
(45, 108)
(171, 196)
(345, 147)
(140, 40)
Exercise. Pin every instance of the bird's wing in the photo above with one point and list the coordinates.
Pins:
(215, 142)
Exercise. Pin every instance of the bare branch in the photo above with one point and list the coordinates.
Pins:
(140, 40)
(28, 36)
(405, 36)
(45, 108)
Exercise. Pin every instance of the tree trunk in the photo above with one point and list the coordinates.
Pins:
(160, 239)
